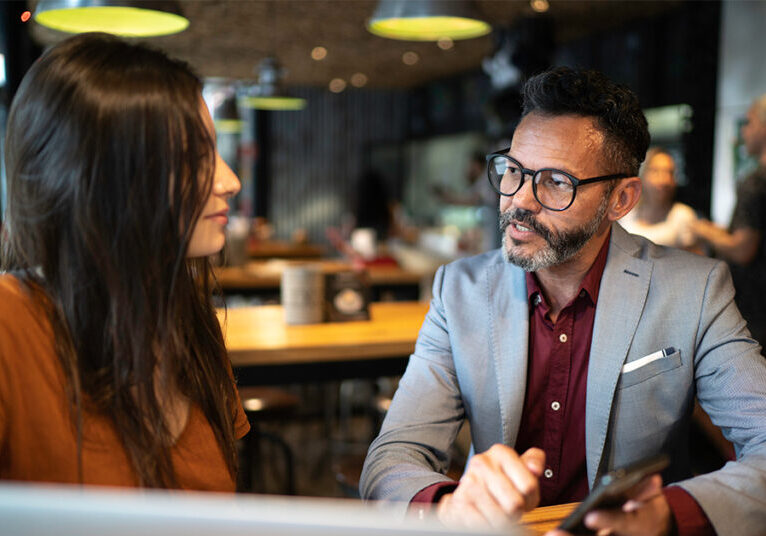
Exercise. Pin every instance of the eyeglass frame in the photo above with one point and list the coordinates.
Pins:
(531, 172)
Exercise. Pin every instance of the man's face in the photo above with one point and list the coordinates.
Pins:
(659, 179)
(754, 132)
(534, 237)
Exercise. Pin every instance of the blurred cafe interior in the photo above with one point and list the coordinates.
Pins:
(361, 162)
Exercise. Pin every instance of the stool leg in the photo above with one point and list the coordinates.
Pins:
(288, 455)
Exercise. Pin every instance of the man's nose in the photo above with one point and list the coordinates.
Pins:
(525, 197)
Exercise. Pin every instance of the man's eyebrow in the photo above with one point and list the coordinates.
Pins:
(557, 168)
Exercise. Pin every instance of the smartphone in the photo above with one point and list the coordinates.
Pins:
(611, 489)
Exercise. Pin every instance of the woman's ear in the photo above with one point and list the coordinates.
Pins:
(624, 197)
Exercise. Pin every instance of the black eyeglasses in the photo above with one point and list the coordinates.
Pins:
(554, 189)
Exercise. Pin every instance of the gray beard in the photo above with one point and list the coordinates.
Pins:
(559, 248)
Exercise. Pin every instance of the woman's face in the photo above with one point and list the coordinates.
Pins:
(208, 236)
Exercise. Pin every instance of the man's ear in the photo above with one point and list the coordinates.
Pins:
(623, 198)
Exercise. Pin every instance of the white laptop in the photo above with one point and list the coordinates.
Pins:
(40, 510)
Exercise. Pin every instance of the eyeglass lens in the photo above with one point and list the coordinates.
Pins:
(552, 189)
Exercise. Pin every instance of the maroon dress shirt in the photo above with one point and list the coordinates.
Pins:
(553, 418)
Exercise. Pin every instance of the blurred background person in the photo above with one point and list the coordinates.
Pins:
(742, 244)
(113, 369)
(479, 193)
(658, 216)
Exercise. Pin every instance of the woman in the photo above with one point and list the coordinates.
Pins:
(658, 216)
(112, 363)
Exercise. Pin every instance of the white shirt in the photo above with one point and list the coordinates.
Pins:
(675, 230)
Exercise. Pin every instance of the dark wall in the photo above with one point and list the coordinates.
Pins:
(668, 59)
(317, 156)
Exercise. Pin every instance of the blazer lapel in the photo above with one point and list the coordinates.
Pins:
(623, 291)
(509, 330)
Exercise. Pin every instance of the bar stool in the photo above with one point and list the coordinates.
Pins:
(265, 404)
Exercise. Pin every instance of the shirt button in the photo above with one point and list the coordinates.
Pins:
(555, 406)
(537, 299)
(563, 337)
(548, 473)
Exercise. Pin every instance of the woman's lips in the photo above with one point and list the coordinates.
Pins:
(219, 217)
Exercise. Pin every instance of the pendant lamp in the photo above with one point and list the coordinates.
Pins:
(119, 17)
(427, 20)
(268, 93)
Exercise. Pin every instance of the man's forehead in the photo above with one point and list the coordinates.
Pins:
(555, 130)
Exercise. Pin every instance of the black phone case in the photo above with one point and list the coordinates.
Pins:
(610, 491)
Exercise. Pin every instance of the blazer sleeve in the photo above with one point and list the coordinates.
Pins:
(730, 377)
(411, 451)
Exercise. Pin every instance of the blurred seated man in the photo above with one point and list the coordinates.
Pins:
(479, 194)
(743, 244)
(657, 216)
(577, 348)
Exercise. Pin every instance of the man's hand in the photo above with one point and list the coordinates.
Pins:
(497, 487)
(646, 513)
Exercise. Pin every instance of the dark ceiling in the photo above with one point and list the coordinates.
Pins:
(228, 38)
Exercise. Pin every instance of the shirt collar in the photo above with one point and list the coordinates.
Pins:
(590, 284)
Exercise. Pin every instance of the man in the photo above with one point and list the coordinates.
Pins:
(577, 348)
(743, 245)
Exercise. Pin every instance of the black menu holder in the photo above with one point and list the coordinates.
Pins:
(347, 296)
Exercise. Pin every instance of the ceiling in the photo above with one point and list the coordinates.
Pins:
(228, 38)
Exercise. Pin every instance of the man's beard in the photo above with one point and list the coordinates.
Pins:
(559, 248)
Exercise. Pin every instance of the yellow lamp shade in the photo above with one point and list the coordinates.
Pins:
(274, 103)
(429, 28)
(427, 20)
(118, 20)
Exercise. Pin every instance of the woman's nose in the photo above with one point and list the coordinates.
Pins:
(225, 182)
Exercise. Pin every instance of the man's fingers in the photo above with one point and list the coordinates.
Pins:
(524, 479)
(486, 473)
(646, 489)
(645, 517)
(490, 509)
(474, 511)
(534, 459)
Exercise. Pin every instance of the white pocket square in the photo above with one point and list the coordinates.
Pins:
(638, 363)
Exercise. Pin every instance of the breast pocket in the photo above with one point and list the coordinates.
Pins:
(634, 375)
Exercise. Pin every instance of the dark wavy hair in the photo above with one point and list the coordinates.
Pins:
(109, 165)
(615, 108)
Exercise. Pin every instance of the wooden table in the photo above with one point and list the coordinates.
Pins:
(260, 275)
(268, 351)
(541, 520)
(283, 250)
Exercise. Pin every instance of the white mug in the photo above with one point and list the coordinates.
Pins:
(302, 292)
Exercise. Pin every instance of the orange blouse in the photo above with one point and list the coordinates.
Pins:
(38, 440)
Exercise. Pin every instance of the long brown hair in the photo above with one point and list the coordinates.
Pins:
(109, 165)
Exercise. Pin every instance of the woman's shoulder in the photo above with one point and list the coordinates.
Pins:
(13, 296)
(20, 312)
(11, 293)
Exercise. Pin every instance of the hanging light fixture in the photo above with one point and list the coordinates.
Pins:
(268, 93)
(427, 20)
(119, 17)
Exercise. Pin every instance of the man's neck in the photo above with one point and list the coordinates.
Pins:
(561, 283)
(762, 159)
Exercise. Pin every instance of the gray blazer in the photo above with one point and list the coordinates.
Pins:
(470, 361)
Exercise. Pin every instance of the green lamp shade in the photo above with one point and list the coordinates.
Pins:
(274, 103)
(117, 20)
(429, 28)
